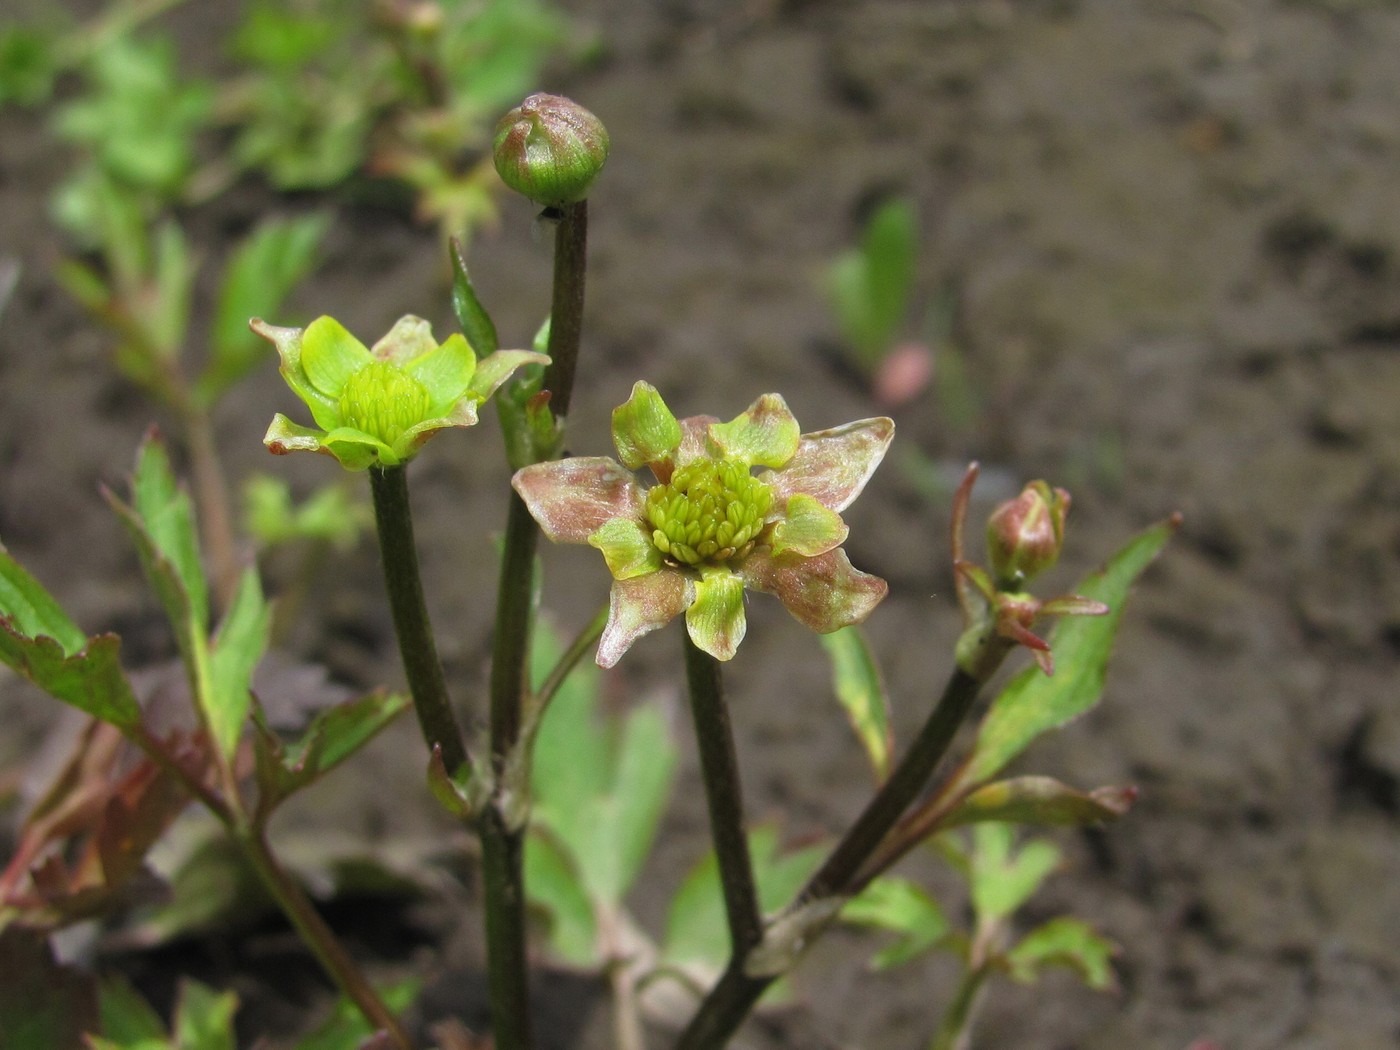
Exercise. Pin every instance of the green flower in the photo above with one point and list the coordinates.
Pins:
(711, 526)
(378, 406)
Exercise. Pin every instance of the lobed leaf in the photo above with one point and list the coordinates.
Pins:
(1003, 878)
(1065, 941)
(904, 908)
(91, 680)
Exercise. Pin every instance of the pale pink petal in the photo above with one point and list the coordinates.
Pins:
(639, 606)
(695, 441)
(573, 498)
(834, 465)
(825, 593)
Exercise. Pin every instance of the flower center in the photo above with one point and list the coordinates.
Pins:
(709, 513)
(383, 401)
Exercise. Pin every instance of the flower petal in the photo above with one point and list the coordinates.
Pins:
(834, 465)
(644, 429)
(494, 369)
(639, 606)
(574, 498)
(409, 339)
(446, 371)
(627, 548)
(331, 355)
(825, 592)
(284, 436)
(765, 435)
(324, 408)
(807, 528)
(715, 619)
(695, 444)
(357, 450)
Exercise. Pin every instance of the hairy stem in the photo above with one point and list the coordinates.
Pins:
(319, 937)
(426, 680)
(719, 768)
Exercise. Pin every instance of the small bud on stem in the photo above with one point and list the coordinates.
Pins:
(550, 149)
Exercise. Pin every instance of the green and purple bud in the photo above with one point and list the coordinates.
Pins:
(1025, 534)
(550, 149)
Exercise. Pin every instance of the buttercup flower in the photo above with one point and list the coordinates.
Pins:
(378, 406)
(711, 526)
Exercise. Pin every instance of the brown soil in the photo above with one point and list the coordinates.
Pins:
(1174, 238)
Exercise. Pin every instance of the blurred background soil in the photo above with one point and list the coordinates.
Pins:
(1172, 233)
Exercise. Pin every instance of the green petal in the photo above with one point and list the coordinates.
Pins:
(826, 593)
(834, 465)
(446, 372)
(716, 618)
(639, 606)
(644, 429)
(495, 369)
(357, 450)
(808, 528)
(409, 339)
(766, 435)
(571, 499)
(627, 548)
(331, 355)
(284, 436)
(288, 341)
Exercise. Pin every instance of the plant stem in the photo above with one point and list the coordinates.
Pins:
(319, 937)
(733, 996)
(503, 882)
(426, 681)
(215, 516)
(566, 313)
(568, 660)
(953, 1030)
(719, 768)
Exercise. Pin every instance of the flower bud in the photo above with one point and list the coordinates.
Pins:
(550, 149)
(1024, 535)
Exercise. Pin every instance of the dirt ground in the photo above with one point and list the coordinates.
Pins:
(1172, 229)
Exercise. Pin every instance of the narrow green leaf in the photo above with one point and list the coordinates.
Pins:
(1067, 942)
(91, 680)
(1042, 801)
(240, 645)
(861, 690)
(274, 258)
(1004, 878)
(31, 610)
(1033, 703)
(204, 1017)
(476, 323)
(126, 1016)
(346, 1027)
(168, 316)
(903, 908)
(555, 885)
(646, 765)
(890, 247)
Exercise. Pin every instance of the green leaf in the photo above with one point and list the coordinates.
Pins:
(43, 1005)
(346, 1027)
(901, 907)
(204, 1017)
(331, 513)
(166, 314)
(1003, 878)
(1067, 942)
(239, 647)
(696, 928)
(127, 1018)
(1042, 801)
(91, 680)
(861, 690)
(476, 323)
(31, 610)
(1033, 703)
(333, 736)
(599, 789)
(870, 286)
(556, 886)
(276, 257)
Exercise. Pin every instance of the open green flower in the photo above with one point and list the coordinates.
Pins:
(378, 406)
(711, 526)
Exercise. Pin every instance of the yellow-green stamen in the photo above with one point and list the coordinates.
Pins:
(383, 401)
(709, 512)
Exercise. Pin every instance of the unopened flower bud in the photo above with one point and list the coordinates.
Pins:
(1024, 535)
(550, 149)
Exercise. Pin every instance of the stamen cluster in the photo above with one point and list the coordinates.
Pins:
(383, 401)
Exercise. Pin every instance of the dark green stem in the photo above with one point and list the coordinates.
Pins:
(719, 768)
(566, 313)
(503, 882)
(734, 995)
(426, 680)
(319, 937)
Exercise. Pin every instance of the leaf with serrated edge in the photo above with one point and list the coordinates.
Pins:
(1033, 703)
(32, 610)
(92, 680)
(901, 907)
